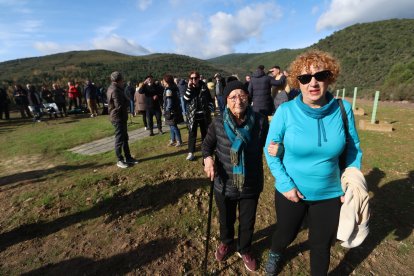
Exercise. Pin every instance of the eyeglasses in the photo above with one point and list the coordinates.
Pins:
(319, 76)
(242, 98)
(194, 78)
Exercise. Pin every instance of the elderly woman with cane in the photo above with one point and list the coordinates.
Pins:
(307, 174)
(232, 152)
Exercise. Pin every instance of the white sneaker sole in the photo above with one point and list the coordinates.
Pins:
(248, 269)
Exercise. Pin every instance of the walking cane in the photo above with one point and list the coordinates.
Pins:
(210, 205)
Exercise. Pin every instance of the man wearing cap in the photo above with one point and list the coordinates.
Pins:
(118, 114)
(259, 91)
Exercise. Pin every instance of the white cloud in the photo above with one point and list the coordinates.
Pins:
(119, 44)
(30, 26)
(189, 37)
(112, 42)
(49, 47)
(143, 4)
(224, 31)
(342, 13)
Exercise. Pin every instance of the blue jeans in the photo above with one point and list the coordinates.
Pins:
(175, 134)
(183, 106)
(220, 102)
(131, 106)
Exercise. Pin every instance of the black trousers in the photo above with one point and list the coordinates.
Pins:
(73, 102)
(227, 216)
(121, 140)
(150, 113)
(323, 218)
(62, 108)
(4, 108)
(192, 135)
(24, 109)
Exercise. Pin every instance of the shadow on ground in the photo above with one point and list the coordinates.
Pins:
(116, 265)
(35, 176)
(391, 212)
(147, 199)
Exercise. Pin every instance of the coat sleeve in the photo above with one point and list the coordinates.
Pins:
(250, 89)
(276, 134)
(279, 82)
(117, 98)
(209, 143)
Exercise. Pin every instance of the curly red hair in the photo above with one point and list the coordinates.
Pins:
(319, 59)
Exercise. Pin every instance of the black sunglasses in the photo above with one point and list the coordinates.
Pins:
(319, 76)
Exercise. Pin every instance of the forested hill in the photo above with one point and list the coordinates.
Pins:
(374, 56)
(378, 55)
(97, 66)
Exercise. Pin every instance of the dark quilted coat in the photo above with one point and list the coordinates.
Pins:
(217, 144)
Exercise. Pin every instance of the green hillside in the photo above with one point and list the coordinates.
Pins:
(374, 56)
(97, 65)
(249, 62)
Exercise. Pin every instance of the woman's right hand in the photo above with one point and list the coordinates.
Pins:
(293, 195)
(209, 167)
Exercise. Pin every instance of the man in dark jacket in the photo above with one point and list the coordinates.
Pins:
(59, 98)
(91, 94)
(130, 93)
(220, 83)
(35, 102)
(4, 104)
(118, 114)
(20, 98)
(153, 95)
(260, 91)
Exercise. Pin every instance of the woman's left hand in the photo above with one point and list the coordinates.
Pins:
(293, 195)
(273, 148)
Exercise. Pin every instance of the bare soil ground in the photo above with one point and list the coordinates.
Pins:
(144, 230)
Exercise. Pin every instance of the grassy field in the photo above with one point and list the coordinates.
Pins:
(65, 213)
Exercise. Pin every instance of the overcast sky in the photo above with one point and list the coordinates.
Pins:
(198, 28)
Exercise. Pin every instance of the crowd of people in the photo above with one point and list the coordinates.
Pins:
(307, 146)
(34, 102)
(304, 144)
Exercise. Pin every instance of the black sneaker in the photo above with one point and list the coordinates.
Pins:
(131, 161)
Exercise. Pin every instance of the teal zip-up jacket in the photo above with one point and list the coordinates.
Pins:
(313, 139)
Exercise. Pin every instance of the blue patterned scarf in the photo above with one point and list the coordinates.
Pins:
(239, 137)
